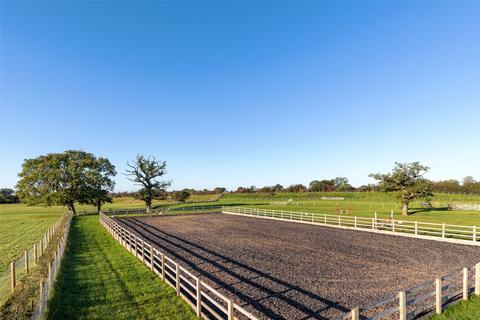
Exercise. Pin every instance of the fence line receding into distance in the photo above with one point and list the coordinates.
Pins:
(432, 231)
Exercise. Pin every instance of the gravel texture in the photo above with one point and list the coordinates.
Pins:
(286, 270)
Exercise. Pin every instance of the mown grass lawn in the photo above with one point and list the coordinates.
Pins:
(465, 310)
(21, 227)
(99, 279)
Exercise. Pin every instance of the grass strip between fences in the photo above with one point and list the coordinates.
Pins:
(99, 279)
(30, 285)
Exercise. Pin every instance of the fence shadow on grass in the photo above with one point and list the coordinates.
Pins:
(239, 273)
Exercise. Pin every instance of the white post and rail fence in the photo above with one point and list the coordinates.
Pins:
(459, 234)
(208, 303)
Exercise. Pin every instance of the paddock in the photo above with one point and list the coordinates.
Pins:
(285, 270)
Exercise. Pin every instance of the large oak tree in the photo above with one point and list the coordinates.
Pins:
(65, 179)
(407, 180)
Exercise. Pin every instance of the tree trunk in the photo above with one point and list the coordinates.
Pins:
(99, 207)
(148, 203)
(405, 209)
(71, 208)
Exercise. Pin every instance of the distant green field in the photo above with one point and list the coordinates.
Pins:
(21, 226)
(362, 204)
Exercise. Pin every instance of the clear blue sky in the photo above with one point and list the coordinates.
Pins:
(245, 94)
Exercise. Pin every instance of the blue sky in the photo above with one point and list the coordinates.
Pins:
(253, 93)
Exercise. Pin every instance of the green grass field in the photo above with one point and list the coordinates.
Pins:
(20, 227)
(362, 205)
(99, 279)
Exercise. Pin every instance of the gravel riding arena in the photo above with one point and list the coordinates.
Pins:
(286, 270)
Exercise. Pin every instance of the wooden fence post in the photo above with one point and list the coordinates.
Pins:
(27, 269)
(355, 224)
(40, 304)
(151, 258)
(438, 295)
(41, 245)
(49, 275)
(402, 301)
(177, 279)
(443, 230)
(13, 275)
(465, 283)
(416, 228)
(199, 297)
(477, 279)
(143, 251)
(163, 267)
(35, 254)
(474, 233)
(135, 245)
(355, 314)
(230, 310)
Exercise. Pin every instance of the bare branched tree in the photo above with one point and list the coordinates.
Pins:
(145, 172)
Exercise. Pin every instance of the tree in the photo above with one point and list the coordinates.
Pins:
(342, 185)
(101, 185)
(296, 188)
(452, 186)
(470, 186)
(8, 195)
(467, 180)
(181, 196)
(322, 186)
(144, 172)
(219, 190)
(277, 188)
(406, 179)
(65, 179)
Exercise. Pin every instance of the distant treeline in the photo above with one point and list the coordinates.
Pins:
(8, 196)
(167, 194)
(339, 184)
(468, 185)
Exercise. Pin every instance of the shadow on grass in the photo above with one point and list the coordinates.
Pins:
(424, 210)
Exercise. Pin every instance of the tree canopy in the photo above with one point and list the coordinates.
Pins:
(65, 179)
(406, 179)
(145, 171)
(181, 196)
(8, 195)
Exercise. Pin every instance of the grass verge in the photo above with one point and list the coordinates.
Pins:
(465, 310)
(99, 279)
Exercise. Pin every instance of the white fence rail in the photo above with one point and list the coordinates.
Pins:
(207, 302)
(432, 231)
